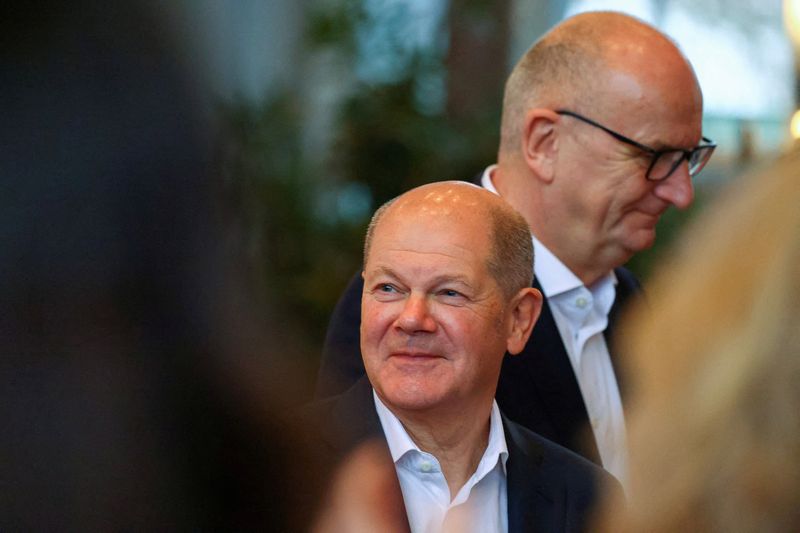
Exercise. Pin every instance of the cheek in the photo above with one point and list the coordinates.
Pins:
(585, 206)
(452, 321)
(375, 320)
(630, 196)
(469, 329)
(581, 196)
(371, 335)
(606, 202)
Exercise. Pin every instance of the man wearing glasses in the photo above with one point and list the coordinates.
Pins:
(601, 133)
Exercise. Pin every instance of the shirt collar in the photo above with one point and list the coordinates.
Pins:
(400, 442)
(553, 275)
(496, 447)
(556, 278)
(396, 436)
(486, 179)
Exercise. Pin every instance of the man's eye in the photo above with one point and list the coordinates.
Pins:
(387, 287)
(451, 293)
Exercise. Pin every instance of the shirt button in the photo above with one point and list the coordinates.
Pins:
(581, 302)
(426, 466)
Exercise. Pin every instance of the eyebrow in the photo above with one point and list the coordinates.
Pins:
(381, 270)
(437, 280)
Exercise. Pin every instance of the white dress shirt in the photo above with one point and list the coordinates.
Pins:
(581, 315)
(479, 506)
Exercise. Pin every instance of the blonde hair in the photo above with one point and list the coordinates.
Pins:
(715, 418)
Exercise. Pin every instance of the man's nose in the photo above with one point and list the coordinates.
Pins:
(416, 315)
(677, 189)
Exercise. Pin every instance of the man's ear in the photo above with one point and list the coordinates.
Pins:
(540, 142)
(525, 309)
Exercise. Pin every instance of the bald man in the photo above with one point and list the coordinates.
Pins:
(601, 133)
(447, 293)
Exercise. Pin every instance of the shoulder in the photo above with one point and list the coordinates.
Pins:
(316, 413)
(629, 289)
(627, 280)
(549, 487)
(556, 466)
(345, 420)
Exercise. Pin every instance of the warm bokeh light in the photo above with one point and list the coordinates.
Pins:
(791, 19)
(794, 125)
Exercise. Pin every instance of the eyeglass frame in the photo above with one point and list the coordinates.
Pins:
(655, 154)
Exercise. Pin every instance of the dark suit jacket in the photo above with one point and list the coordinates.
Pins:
(537, 388)
(550, 489)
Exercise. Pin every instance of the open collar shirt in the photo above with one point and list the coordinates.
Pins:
(581, 315)
(481, 505)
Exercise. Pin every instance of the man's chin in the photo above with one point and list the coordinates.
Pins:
(411, 397)
(641, 240)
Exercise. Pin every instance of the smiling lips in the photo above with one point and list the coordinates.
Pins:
(414, 355)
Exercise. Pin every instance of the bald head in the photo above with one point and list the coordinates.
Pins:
(462, 205)
(578, 64)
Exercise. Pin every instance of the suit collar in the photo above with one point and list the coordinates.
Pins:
(353, 418)
(530, 498)
(550, 370)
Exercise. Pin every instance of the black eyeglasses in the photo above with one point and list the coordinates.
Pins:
(664, 162)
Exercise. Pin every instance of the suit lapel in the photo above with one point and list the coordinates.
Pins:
(353, 418)
(530, 503)
(550, 370)
(627, 290)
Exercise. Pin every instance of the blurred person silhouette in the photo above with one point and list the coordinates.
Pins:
(715, 367)
(363, 495)
(447, 276)
(137, 390)
(600, 134)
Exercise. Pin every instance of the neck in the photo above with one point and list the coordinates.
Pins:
(458, 440)
(589, 264)
(521, 189)
(523, 197)
(590, 276)
(588, 267)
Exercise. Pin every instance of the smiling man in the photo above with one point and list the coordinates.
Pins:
(601, 133)
(447, 292)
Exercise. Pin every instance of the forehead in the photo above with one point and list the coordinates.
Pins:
(407, 236)
(661, 110)
(639, 71)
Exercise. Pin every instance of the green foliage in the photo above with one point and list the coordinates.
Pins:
(390, 145)
(270, 191)
(334, 24)
(302, 219)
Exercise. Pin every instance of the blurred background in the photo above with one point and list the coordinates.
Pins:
(327, 108)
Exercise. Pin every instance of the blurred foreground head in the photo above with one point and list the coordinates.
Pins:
(127, 399)
(715, 428)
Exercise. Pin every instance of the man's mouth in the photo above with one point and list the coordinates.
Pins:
(414, 355)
